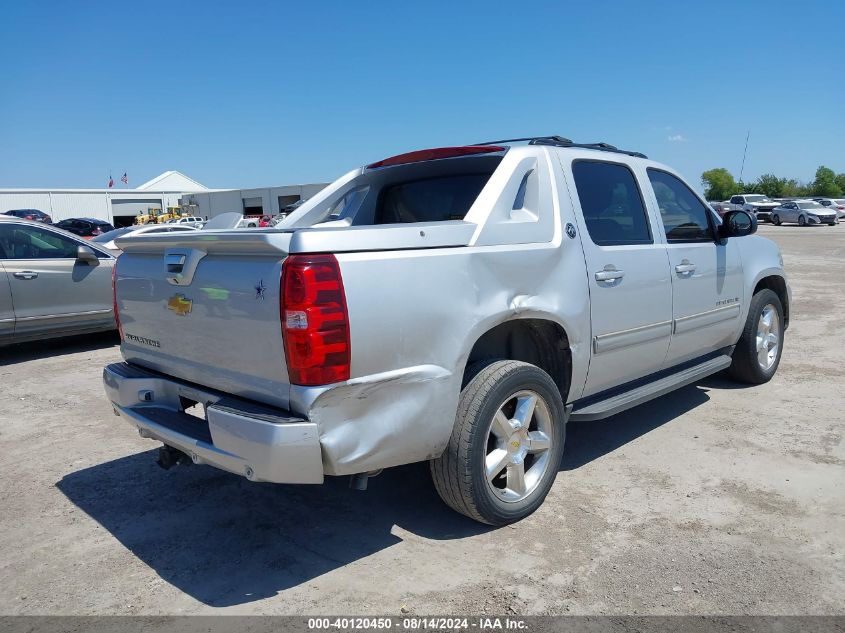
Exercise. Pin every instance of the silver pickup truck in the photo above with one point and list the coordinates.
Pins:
(457, 305)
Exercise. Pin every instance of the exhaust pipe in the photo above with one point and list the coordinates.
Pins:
(358, 481)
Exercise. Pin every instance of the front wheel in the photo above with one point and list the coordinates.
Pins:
(802, 221)
(506, 444)
(776, 219)
(757, 354)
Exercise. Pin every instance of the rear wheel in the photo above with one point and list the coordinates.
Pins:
(802, 221)
(757, 354)
(776, 219)
(506, 444)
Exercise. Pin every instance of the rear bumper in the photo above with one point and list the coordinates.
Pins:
(260, 443)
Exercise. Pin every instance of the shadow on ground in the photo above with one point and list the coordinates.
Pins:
(37, 350)
(587, 441)
(226, 541)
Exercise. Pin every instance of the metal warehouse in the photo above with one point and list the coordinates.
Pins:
(117, 206)
(170, 189)
(261, 201)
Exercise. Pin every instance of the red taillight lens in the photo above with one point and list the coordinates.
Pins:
(114, 300)
(315, 322)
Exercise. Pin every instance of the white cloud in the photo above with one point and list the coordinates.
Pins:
(676, 138)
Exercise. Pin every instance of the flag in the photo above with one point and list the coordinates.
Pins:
(111, 181)
(124, 179)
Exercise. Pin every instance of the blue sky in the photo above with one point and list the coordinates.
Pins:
(242, 94)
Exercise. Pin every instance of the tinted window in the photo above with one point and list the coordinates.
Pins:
(27, 242)
(611, 203)
(430, 200)
(685, 218)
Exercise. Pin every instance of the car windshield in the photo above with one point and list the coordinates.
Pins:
(839, 201)
(108, 237)
(809, 205)
(756, 199)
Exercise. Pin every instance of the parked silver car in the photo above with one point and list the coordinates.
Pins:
(52, 283)
(804, 212)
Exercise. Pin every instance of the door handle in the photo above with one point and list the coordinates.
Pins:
(26, 274)
(609, 274)
(685, 267)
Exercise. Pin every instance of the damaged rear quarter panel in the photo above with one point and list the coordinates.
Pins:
(414, 318)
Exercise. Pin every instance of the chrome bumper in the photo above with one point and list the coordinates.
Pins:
(260, 443)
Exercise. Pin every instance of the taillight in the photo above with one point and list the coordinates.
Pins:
(114, 299)
(315, 321)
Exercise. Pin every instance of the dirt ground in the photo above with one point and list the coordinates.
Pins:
(717, 499)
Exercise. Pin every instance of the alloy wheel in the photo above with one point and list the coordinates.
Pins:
(518, 446)
(768, 337)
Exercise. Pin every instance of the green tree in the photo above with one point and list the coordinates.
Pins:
(771, 185)
(840, 181)
(747, 187)
(719, 184)
(825, 183)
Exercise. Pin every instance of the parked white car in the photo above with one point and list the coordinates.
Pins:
(804, 213)
(106, 240)
(755, 203)
(466, 303)
(194, 221)
(837, 204)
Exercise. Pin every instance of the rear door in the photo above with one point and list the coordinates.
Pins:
(50, 289)
(707, 286)
(628, 276)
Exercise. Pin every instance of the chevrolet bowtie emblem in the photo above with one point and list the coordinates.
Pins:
(179, 304)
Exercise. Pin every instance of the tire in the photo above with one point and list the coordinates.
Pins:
(776, 219)
(747, 366)
(493, 398)
(802, 221)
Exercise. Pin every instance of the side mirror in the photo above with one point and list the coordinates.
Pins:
(737, 224)
(87, 255)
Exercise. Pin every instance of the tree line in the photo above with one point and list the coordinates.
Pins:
(719, 184)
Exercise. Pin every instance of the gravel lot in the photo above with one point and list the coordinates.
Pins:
(713, 500)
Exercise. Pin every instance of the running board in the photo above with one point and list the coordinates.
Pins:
(621, 401)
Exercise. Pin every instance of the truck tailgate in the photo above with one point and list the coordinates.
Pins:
(204, 307)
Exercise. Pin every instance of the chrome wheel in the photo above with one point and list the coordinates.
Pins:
(518, 446)
(768, 337)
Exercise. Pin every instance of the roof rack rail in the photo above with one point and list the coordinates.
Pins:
(560, 141)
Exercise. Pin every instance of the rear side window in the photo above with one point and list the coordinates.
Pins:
(430, 200)
(611, 202)
(685, 218)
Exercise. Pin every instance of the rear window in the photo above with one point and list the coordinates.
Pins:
(611, 203)
(426, 191)
(430, 200)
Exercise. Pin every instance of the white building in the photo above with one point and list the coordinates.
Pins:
(170, 189)
(117, 206)
(261, 201)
